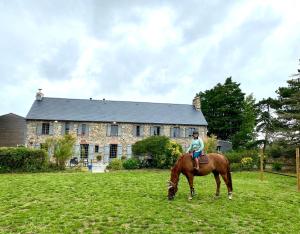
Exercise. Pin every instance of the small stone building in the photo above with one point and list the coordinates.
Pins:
(110, 128)
(12, 130)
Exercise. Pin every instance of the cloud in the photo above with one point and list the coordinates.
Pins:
(143, 50)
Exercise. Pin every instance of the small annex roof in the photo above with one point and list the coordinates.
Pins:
(86, 110)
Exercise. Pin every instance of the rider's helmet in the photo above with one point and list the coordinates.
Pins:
(195, 133)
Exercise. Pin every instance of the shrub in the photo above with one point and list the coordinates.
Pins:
(22, 159)
(247, 163)
(115, 164)
(131, 163)
(235, 166)
(210, 144)
(236, 156)
(277, 166)
(63, 148)
(162, 152)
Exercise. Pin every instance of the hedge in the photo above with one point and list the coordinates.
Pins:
(22, 159)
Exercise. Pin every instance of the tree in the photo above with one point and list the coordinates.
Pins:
(288, 111)
(266, 120)
(246, 135)
(222, 107)
(62, 148)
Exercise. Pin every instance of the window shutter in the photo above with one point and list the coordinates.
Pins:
(63, 128)
(87, 129)
(141, 130)
(171, 132)
(186, 132)
(119, 130)
(162, 131)
(91, 152)
(79, 129)
(129, 151)
(106, 154)
(77, 151)
(134, 130)
(120, 151)
(181, 132)
(151, 131)
(108, 129)
(50, 128)
(39, 129)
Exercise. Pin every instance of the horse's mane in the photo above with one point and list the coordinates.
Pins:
(177, 165)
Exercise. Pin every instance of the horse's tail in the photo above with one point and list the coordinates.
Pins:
(229, 176)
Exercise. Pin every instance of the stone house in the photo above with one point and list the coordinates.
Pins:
(110, 128)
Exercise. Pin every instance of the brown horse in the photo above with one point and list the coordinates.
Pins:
(217, 164)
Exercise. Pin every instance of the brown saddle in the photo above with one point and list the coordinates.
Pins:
(203, 159)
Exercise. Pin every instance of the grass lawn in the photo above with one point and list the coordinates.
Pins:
(135, 201)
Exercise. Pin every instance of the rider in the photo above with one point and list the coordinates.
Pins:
(196, 147)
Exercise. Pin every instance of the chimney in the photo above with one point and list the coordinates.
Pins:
(197, 103)
(39, 95)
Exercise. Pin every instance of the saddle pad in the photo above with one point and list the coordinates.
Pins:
(203, 159)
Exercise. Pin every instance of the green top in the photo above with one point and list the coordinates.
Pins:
(196, 145)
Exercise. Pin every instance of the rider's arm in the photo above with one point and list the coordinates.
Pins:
(189, 149)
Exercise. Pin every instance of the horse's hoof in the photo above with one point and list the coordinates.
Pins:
(190, 198)
(230, 196)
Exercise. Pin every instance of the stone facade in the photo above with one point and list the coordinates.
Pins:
(97, 135)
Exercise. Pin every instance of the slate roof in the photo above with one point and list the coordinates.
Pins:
(108, 111)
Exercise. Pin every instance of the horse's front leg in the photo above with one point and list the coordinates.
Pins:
(190, 178)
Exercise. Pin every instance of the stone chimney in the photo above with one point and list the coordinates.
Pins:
(39, 95)
(197, 103)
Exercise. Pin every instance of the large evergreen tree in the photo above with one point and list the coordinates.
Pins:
(222, 107)
(289, 111)
(266, 121)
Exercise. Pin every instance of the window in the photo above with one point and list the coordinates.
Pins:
(190, 131)
(83, 129)
(84, 150)
(45, 128)
(113, 148)
(138, 131)
(96, 148)
(175, 132)
(67, 128)
(156, 131)
(114, 130)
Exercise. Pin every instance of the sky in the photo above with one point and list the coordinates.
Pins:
(153, 51)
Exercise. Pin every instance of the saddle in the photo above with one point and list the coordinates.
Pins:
(203, 159)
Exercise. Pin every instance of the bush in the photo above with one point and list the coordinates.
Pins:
(160, 151)
(236, 156)
(115, 164)
(235, 167)
(22, 159)
(277, 166)
(278, 149)
(247, 163)
(131, 163)
(63, 148)
(210, 144)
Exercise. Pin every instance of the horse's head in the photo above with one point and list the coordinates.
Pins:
(172, 189)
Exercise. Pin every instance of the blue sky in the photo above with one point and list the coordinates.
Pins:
(143, 50)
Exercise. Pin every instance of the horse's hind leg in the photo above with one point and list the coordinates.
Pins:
(190, 179)
(227, 182)
(218, 182)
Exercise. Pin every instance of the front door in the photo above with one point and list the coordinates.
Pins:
(113, 148)
(84, 153)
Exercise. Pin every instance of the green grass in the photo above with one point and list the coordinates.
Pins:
(135, 201)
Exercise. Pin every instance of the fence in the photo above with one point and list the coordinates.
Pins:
(262, 170)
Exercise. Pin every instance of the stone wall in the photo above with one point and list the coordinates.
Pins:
(97, 134)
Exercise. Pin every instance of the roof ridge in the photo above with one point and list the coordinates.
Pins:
(117, 101)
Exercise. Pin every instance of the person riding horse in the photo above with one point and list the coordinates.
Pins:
(196, 148)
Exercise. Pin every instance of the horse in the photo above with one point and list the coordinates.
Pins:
(217, 164)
